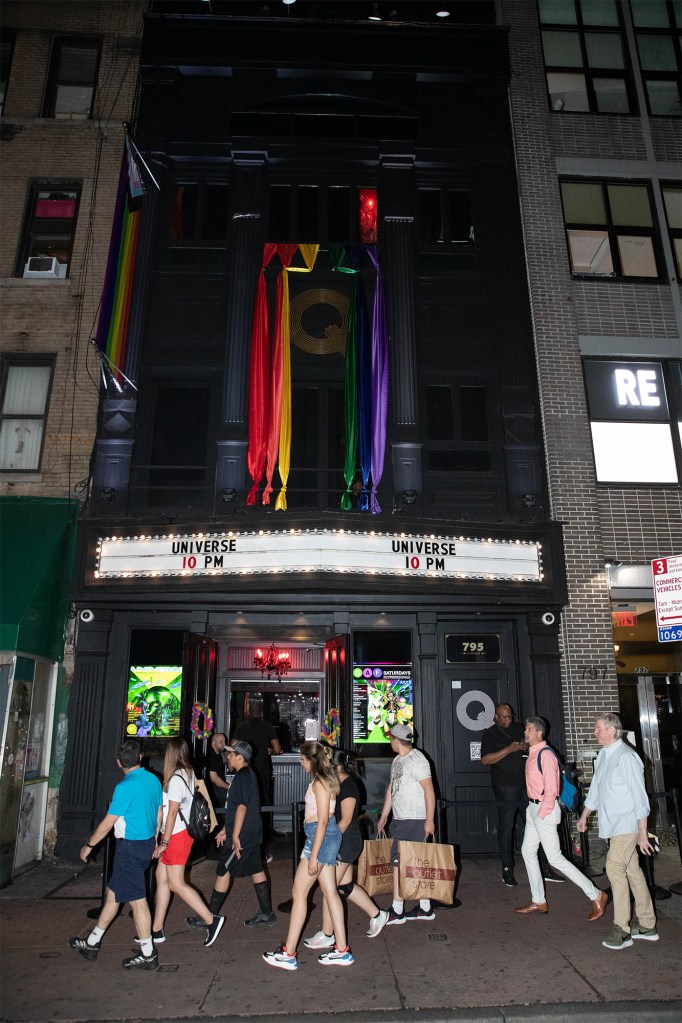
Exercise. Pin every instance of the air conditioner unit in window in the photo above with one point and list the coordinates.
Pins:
(45, 267)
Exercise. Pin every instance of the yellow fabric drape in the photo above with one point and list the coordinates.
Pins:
(309, 254)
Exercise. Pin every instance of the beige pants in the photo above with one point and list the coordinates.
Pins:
(625, 874)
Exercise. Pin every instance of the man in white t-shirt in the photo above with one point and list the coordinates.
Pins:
(411, 797)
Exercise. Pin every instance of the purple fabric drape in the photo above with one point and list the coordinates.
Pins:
(364, 377)
(379, 363)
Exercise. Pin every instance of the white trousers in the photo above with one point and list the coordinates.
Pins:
(544, 832)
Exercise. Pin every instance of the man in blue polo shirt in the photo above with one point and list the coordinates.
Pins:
(135, 816)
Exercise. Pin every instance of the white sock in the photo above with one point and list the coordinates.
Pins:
(95, 935)
(147, 946)
(398, 906)
(425, 904)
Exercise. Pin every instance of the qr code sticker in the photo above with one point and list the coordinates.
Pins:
(475, 750)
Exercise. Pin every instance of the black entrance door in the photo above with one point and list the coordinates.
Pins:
(480, 671)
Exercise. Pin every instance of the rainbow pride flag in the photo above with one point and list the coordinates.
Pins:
(112, 328)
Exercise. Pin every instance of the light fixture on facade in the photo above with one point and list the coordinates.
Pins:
(612, 563)
(528, 500)
(107, 494)
(228, 495)
(409, 496)
(375, 16)
(443, 11)
(288, 2)
(274, 662)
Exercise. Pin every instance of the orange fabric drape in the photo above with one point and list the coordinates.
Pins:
(309, 254)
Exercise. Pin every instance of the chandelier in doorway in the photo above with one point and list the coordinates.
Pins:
(274, 662)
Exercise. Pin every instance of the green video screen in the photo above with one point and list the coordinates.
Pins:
(154, 701)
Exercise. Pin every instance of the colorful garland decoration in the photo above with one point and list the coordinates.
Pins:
(201, 710)
(331, 729)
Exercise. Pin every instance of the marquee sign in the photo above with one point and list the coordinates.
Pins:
(270, 552)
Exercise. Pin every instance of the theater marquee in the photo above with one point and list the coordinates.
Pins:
(318, 550)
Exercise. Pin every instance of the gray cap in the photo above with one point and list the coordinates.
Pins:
(402, 732)
(242, 748)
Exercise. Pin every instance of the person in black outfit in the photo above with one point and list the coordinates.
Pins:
(241, 839)
(262, 738)
(502, 749)
(215, 769)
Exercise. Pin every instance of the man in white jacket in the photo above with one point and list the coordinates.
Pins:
(617, 792)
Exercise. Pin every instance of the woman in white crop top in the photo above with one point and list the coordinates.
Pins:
(318, 862)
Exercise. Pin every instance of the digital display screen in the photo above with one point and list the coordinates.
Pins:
(154, 701)
(382, 698)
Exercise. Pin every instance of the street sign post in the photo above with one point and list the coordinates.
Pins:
(667, 573)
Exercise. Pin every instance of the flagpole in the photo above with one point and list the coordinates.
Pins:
(110, 365)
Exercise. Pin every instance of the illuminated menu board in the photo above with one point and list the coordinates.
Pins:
(382, 698)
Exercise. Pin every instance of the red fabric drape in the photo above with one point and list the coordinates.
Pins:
(259, 381)
(286, 254)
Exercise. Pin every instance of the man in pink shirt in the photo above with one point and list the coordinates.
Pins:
(542, 821)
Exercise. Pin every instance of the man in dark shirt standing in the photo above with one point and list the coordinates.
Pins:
(241, 840)
(502, 749)
(262, 738)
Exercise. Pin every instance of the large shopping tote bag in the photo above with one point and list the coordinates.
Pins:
(427, 871)
(375, 871)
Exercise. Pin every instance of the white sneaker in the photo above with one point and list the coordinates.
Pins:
(319, 940)
(377, 923)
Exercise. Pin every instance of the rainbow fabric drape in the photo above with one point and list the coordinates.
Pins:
(365, 379)
(112, 328)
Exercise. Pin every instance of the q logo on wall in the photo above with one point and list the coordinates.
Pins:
(483, 719)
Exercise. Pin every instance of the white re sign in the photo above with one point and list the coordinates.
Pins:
(318, 550)
(667, 573)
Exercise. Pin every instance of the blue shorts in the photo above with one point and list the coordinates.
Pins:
(331, 843)
(130, 863)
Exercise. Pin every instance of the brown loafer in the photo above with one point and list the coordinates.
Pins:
(598, 907)
(534, 907)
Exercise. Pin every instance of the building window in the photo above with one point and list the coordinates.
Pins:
(657, 30)
(672, 200)
(610, 229)
(309, 213)
(585, 56)
(199, 214)
(25, 384)
(456, 423)
(444, 218)
(6, 51)
(49, 229)
(635, 415)
(72, 79)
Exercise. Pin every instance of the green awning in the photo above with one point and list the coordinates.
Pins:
(37, 548)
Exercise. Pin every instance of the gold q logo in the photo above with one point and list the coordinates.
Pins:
(331, 336)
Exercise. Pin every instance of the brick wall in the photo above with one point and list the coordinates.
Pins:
(59, 317)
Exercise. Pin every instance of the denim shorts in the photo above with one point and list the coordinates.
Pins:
(131, 859)
(331, 843)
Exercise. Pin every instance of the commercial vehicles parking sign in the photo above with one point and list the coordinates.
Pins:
(667, 573)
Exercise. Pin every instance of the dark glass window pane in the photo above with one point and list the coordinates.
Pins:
(459, 461)
(604, 50)
(431, 227)
(599, 12)
(473, 412)
(307, 215)
(649, 13)
(557, 12)
(440, 423)
(337, 198)
(656, 53)
(460, 216)
(562, 49)
(279, 213)
(583, 203)
(664, 98)
(612, 96)
(184, 213)
(382, 646)
(630, 205)
(77, 64)
(215, 212)
(323, 126)
(179, 445)
(260, 124)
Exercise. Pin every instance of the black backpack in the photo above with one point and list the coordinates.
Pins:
(570, 795)
(199, 822)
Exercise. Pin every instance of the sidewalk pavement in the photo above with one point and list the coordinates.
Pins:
(477, 963)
